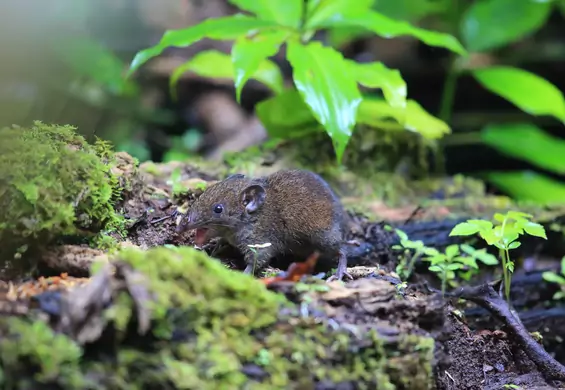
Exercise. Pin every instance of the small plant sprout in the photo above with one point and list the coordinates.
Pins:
(413, 250)
(445, 264)
(554, 277)
(467, 267)
(503, 232)
(254, 248)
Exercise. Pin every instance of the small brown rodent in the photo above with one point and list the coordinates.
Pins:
(295, 211)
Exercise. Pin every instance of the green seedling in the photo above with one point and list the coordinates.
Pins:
(554, 277)
(412, 251)
(503, 232)
(456, 261)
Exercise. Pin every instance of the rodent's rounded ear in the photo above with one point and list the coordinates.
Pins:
(253, 197)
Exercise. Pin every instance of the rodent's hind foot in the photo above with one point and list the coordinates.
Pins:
(248, 270)
(340, 275)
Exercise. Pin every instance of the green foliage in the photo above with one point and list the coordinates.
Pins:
(54, 183)
(446, 265)
(535, 146)
(327, 84)
(91, 59)
(529, 92)
(490, 24)
(55, 357)
(503, 232)
(554, 277)
(213, 63)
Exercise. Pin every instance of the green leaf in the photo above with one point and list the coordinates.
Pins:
(535, 229)
(489, 24)
(215, 64)
(528, 185)
(431, 251)
(389, 28)
(486, 258)
(510, 233)
(452, 250)
(340, 36)
(284, 12)
(435, 268)
(552, 277)
(464, 229)
(563, 265)
(249, 53)
(529, 92)
(518, 215)
(321, 76)
(468, 261)
(454, 266)
(319, 11)
(514, 245)
(536, 146)
(377, 75)
(401, 234)
(489, 236)
(376, 113)
(225, 28)
(287, 116)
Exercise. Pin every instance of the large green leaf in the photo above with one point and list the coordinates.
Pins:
(287, 116)
(324, 81)
(527, 142)
(528, 185)
(248, 53)
(526, 90)
(225, 28)
(489, 24)
(377, 113)
(215, 64)
(321, 10)
(389, 28)
(284, 12)
(377, 75)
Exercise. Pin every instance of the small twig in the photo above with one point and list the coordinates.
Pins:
(172, 215)
(413, 214)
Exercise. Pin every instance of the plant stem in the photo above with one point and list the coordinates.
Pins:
(507, 277)
(448, 95)
(443, 280)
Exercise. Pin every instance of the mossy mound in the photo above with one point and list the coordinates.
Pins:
(53, 183)
(213, 328)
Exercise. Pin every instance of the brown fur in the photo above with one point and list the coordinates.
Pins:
(294, 210)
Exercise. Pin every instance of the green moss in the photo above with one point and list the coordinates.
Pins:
(53, 358)
(54, 184)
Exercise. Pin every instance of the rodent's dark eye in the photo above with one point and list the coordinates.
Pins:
(218, 209)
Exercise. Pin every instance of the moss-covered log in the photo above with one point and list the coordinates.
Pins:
(175, 318)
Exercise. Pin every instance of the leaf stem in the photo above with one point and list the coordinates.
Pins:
(303, 19)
